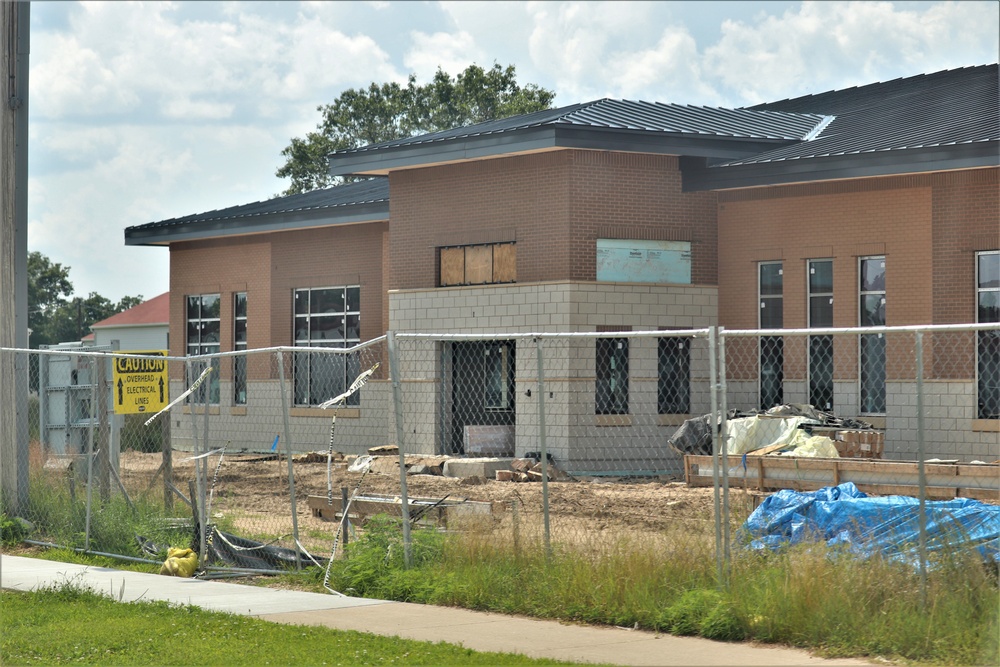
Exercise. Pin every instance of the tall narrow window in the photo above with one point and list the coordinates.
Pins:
(821, 347)
(674, 376)
(772, 349)
(498, 388)
(611, 391)
(326, 317)
(988, 352)
(240, 344)
(871, 296)
(203, 327)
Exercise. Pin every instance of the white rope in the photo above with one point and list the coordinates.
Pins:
(197, 383)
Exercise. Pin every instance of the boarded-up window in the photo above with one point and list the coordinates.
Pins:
(478, 264)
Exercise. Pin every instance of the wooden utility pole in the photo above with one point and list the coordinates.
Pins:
(14, 254)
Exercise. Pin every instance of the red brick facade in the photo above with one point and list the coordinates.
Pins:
(269, 268)
(555, 205)
(928, 227)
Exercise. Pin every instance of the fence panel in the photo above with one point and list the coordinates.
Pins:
(272, 444)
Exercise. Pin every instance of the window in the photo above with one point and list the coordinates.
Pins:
(673, 385)
(498, 389)
(203, 328)
(240, 343)
(326, 317)
(988, 348)
(821, 347)
(611, 391)
(871, 297)
(772, 348)
(478, 264)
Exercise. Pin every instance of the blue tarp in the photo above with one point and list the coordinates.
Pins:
(890, 525)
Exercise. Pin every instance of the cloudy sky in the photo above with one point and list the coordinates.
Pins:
(145, 111)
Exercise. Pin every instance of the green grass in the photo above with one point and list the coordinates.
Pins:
(810, 597)
(69, 624)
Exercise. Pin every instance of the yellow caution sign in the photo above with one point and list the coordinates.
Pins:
(140, 385)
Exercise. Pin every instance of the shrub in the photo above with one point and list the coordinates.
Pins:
(688, 613)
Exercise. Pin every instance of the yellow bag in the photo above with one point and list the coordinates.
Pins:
(179, 563)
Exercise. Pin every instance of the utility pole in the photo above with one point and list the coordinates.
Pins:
(14, 32)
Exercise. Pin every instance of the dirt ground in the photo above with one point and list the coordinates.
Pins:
(253, 492)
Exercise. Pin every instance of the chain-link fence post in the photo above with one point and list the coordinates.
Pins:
(921, 471)
(397, 401)
(543, 450)
(723, 437)
(90, 451)
(716, 421)
(288, 452)
(198, 495)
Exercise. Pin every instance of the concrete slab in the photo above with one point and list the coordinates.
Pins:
(30, 573)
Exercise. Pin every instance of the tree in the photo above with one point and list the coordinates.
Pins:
(48, 285)
(52, 317)
(383, 112)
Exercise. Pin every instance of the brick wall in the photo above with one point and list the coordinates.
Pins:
(553, 204)
(268, 268)
(927, 226)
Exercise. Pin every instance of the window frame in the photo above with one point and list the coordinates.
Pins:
(820, 345)
(615, 400)
(306, 366)
(865, 405)
(240, 387)
(209, 392)
(497, 276)
(670, 400)
(770, 347)
(987, 343)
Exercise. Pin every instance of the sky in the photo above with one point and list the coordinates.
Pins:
(144, 111)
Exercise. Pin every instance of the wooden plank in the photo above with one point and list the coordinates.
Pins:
(870, 475)
(452, 266)
(505, 263)
(478, 264)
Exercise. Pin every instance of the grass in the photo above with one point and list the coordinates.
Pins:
(81, 627)
(808, 596)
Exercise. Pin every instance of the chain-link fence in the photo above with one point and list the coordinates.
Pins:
(568, 441)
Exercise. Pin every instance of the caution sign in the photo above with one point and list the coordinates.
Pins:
(140, 385)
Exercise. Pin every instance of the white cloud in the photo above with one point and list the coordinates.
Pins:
(825, 45)
(142, 112)
(452, 52)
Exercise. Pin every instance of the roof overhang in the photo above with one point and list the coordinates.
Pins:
(380, 161)
(258, 224)
(838, 167)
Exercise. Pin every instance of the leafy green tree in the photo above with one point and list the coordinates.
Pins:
(383, 112)
(54, 317)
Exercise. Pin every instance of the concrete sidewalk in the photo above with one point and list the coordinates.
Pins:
(475, 630)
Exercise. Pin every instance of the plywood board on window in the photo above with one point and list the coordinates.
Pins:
(452, 266)
(505, 263)
(479, 264)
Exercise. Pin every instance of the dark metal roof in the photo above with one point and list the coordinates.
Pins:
(632, 115)
(605, 124)
(947, 108)
(352, 202)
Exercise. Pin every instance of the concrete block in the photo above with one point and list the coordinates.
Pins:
(484, 467)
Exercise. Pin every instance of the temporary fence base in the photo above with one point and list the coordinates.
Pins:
(767, 473)
(436, 511)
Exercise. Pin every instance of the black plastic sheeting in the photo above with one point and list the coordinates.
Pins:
(226, 549)
(694, 436)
